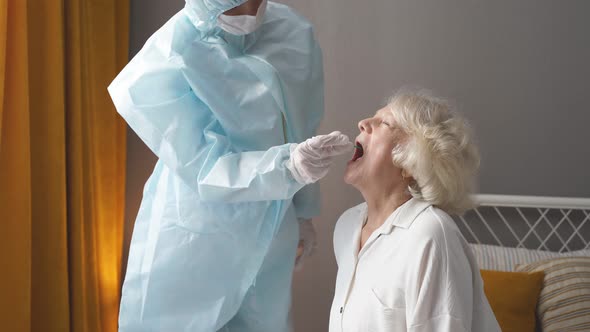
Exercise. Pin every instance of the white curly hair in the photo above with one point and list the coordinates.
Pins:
(439, 151)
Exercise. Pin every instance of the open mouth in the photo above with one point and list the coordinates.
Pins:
(358, 152)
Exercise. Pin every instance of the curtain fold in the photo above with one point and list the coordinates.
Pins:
(15, 178)
(62, 164)
(50, 277)
(95, 135)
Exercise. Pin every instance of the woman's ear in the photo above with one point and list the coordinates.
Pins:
(405, 175)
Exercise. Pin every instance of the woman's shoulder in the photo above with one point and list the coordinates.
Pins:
(436, 226)
(435, 240)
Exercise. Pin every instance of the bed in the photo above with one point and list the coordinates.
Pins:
(534, 256)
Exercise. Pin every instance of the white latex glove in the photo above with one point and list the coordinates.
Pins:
(311, 160)
(307, 242)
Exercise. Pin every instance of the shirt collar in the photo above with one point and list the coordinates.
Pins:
(402, 217)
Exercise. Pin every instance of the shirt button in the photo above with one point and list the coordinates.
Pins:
(341, 309)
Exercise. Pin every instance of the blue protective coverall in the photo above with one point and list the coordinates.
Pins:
(214, 241)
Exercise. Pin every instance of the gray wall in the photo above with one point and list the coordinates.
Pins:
(518, 70)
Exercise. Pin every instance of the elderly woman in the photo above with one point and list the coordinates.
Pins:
(402, 262)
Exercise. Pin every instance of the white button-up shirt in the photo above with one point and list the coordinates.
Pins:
(414, 273)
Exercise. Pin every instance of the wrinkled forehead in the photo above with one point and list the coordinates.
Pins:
(385, 112)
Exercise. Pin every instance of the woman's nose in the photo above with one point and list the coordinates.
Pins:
(364, 125)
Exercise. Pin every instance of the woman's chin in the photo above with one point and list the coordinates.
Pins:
(350, 175)
(347, 180)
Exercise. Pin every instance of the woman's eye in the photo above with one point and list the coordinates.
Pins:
(385, 123)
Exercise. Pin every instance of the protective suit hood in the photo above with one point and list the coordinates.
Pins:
(204, 13)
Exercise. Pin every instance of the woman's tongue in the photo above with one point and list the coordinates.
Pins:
(358, 152)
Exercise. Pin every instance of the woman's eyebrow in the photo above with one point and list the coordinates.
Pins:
(383, 115)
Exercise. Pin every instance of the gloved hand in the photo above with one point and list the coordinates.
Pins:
(311, 160)
(307, 242)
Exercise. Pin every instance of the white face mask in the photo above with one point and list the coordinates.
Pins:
(242, 24)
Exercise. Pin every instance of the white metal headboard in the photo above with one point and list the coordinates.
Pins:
(534, 222)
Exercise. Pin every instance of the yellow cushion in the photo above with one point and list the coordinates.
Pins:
(513, 297)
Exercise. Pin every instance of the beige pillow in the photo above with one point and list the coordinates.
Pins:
(564, 302)
(490, 257)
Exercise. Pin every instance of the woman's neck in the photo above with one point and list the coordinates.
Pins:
(380, 207)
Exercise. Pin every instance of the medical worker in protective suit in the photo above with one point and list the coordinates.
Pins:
(227, 94)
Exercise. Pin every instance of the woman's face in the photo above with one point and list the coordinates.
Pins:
(371, 166)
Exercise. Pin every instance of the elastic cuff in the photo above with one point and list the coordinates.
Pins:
(291, 167)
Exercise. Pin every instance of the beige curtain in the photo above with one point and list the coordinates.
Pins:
(62, 164)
